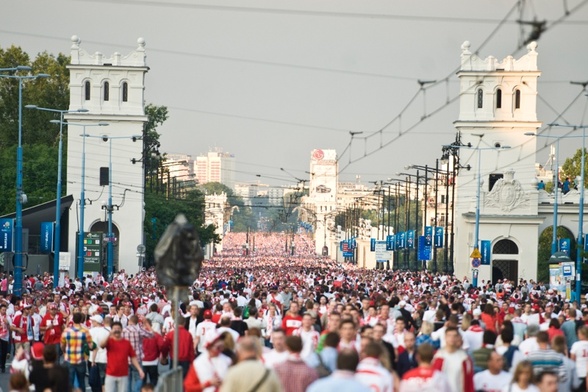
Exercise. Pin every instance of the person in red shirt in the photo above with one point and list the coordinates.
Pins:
(118, 353)
(52, 325)
(292, 320)
(185, 351)
(23, 326)
(152, 349)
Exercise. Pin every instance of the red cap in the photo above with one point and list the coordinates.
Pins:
(207, 314)
(37, 351)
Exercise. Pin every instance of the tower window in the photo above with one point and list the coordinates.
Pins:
(87, 90)
(106, 91)
(517, 99)
(125, 92)
(498, 98)
(480, 99)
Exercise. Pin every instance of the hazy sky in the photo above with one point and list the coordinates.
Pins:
(270, 80)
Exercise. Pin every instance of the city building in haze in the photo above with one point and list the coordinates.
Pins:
(216, 166)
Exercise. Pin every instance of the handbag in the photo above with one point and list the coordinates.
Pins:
(322, 369)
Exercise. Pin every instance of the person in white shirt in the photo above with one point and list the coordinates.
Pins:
(370, 370)
(204, 330)
(279, 353)
(310, 337)
(225, 326)
(522, 379)
(494, 378)
(99, 333)
(579, 353)
(530, 343)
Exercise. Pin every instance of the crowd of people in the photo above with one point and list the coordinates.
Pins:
(280, 318)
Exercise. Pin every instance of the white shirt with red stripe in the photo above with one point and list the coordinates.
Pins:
(310, 341)
(372, 374)
(424, 379)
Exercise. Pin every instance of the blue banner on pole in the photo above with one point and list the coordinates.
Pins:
(428, 235)
(585, 242)
(6, 233)
(565, 245)
(410, 239)
(352, 243)
(424, 252)
(389, 242)
(486, 250)
(402, 242)
(438, 237)
(46, 240)
(372, 244)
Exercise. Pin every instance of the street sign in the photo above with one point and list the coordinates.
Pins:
(476, 254)
(476, 262)
(92, 247)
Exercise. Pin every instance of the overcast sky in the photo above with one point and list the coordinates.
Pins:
(270, 80)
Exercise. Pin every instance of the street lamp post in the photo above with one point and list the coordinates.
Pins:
(20, 195)
(57, 238)
(81, 231)
(476, 246)
(110, 207)
(580, 240)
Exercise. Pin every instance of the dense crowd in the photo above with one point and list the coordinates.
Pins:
(270, 316)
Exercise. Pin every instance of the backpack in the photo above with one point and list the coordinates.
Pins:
(508, 355)
(322, 369)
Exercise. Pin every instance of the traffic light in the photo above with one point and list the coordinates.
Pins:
(104, 176)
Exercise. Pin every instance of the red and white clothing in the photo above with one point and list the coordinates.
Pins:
(291, 323)
(203, 370)
(310, 341)
(371, 373)
(458, 368)
(25, 323)
(580, 350)
(202, 331)
(488, 382)
(54, 329)
(424, 379)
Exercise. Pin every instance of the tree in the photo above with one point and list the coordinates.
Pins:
(572, 167)
(39, 136)
(544, 252)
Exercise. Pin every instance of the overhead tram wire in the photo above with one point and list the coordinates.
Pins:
(419, 91)
(444, 80)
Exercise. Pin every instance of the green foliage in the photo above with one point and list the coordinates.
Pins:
(544, 252)
(160, 211)
(572, 167)
(242, 216)
(39, 137)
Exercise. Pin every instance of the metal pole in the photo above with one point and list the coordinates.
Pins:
(388, 231)
(425, 201)
(407, 203)
(176, 304)
(555, 201)
(452, 215)
(580, 243)
(446, 244)
(477, 226)
(416, 224)
(57, 242)
(110, 245)
(436, 214)
(82, 209)
(18, 267)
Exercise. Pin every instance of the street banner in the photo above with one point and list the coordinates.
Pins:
(390, 242)
(486, 251)
(410, 239)
(565, 245)
(428, 235)
(6, 233)
(372, 244)
(438, 237)
(424, 252)
(46, 240)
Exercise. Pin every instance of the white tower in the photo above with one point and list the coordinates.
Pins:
(323, 195)
(112, 90)
(497, 107)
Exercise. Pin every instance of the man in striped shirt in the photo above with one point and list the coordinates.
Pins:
(135, 334)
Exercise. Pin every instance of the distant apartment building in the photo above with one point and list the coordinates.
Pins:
(216, 166)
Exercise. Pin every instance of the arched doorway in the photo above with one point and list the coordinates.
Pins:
(504, 267)
(102, 227)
